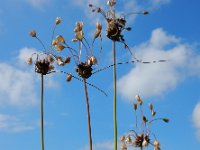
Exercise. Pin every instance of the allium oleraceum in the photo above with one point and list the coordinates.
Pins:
(142, 137)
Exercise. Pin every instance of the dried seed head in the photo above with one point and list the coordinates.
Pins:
(165, 120)
(60, 39)
(153, 113)
(139, 100)
(60, 62)
(122, 138)
(150, 106)
(32, 33)
(97, 33)
(135, 106)
(69, 78)
(29, 61)
(79, 26)
(58, 20)
(67, 60)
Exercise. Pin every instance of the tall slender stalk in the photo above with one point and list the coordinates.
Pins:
(88, 113)
(42, 112)
(115, 95)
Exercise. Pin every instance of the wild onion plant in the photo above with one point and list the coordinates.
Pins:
(115, 26)
(44, 63)
(141, 137)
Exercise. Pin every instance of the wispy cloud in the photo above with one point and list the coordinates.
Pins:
(196, 119)
(155, 79)
(38, 3)
(12, 124)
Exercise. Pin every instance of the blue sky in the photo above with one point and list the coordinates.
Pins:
(170, 31)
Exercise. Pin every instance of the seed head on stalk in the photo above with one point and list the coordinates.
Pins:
(141, 138)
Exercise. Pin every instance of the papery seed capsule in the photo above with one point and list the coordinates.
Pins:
(69, 77)
(144, 143)
(54, 43)
(30, 61)
(128, 139)
(60, 39)
(153, 113)
(58, 20)
(32, 33)
(79, 35)
(122, 138)
(144, 119)
(67, 60)
(166, 120)
(150, 106)
(93, 60)
(98, 26)
(135, 106)
(138, 99)
(59, 47)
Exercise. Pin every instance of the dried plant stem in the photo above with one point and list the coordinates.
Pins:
(42, 111)
(115, 95)
(88, 113)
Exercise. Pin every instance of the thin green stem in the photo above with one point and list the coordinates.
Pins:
(115, 95)
(42, 112)
(88, 113)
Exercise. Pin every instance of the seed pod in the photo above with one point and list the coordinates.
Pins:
(97, 33)
(60, 39)
(138, 99)
(165, 120)
(79, 35)
(98, 26)
(54, 43)
(122, 138)
(59, 47)
(69, 77)
(93, 60)
(144, 143)
(67, 60)
(32, 33)
(128, 139)
(29, 61)
(153, 113)
(150, 106)
(144, 119)
(135, 106)
(58, 20)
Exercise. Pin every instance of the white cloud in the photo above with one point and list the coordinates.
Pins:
(196, 119)
(157, 78)
(38, 3)
(10, 123)
(17, 86)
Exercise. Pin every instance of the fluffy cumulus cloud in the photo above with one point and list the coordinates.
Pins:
(9, 123)
(196, 119)
(157, 78)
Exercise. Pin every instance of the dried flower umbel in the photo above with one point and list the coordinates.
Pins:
(141, 138)
(44, 64)
(115, 27)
